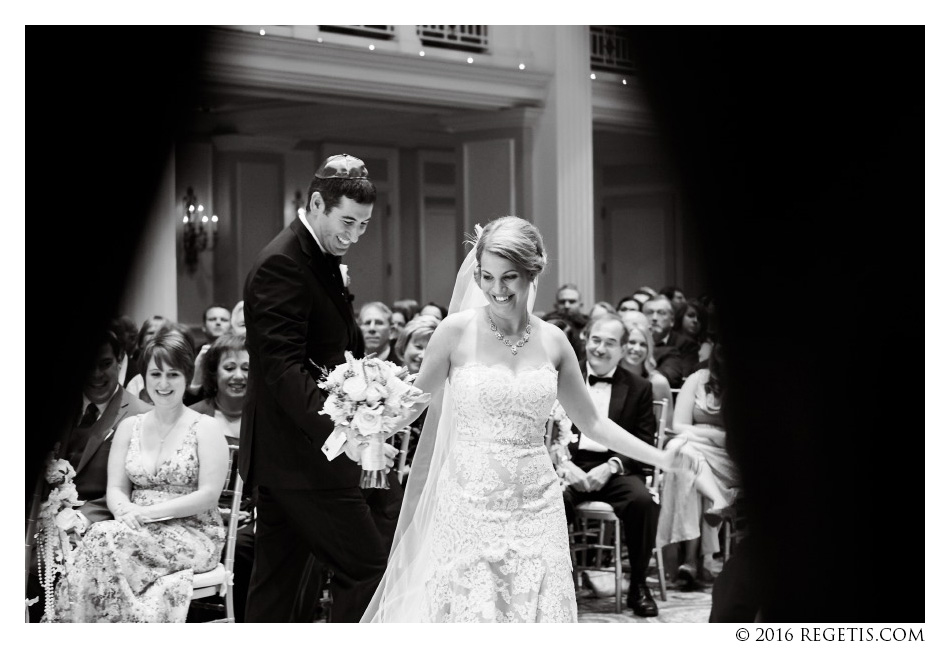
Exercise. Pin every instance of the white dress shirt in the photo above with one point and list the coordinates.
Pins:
(600, 394)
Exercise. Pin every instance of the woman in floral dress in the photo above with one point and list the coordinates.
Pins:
(166, 471)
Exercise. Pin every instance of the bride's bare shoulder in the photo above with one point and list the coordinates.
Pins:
(458, 322)
(450, 329)
(553, 339)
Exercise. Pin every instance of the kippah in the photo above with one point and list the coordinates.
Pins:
(342, 166)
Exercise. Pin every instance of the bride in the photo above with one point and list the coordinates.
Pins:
(482, 533)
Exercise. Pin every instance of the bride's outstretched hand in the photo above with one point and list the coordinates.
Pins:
(678, 460)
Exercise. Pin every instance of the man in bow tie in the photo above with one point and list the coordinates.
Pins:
(598, 474)
(299, 318)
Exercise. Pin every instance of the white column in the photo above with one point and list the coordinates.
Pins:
(562, 159)
(152, 286)
(574, 159)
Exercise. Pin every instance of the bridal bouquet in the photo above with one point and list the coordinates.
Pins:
(56, 517)
(369, 396)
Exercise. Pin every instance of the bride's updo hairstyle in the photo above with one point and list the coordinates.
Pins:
(515, 239)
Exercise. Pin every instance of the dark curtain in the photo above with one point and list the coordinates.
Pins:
(800, 151)
(103, 107)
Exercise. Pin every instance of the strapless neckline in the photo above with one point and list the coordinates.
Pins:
(477, 363)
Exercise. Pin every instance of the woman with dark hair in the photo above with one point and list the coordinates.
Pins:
(224, 383)
(628, 303)
(134, 379)
(676, 296)
(435, 310)
(692, 320)
(166, 472)
(697, 418)
(403, 312)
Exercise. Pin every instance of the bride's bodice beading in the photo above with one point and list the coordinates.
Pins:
(495, 405)
(500, 543)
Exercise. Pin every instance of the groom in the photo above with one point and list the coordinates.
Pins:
(298, 318)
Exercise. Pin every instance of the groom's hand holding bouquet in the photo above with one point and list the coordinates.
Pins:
(367, 401)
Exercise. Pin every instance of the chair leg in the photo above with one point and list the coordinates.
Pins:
(658, 553)
(618, 566)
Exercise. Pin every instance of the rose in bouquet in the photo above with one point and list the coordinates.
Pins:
(369, 397)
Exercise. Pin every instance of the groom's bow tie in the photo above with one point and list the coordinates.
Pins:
(593, 380)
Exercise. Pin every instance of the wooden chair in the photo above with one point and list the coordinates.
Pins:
(607, 535)
(220, 580)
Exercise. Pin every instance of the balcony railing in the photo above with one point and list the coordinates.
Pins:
(384, 32)
(468, 38)
(610, 49)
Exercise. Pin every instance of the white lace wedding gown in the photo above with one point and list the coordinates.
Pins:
(499, 548)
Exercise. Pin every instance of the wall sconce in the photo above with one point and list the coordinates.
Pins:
(300, 206)
(200, 231)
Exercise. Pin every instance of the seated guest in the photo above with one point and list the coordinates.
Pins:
(676, 355)
(167, 468)
(644, 294)
(698, 418)
(676, 296)
(376, 323)
(568, 308)
(86, 444)
(638, 360)
(411, 346)
(215, 322)
(134, 380)
(567, 300)
(435, 310)
(237, 319)
(692, 320)
(601, 308)
(595, 473)
(126, 330)
(627, 304)
(224, 384)
(571, 330)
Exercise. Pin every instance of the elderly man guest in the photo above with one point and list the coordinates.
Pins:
(598, 474)
(676, 355)
(376, 324)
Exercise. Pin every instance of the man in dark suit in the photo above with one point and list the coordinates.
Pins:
(598, 474)
(86, 444)
(299, 318)
(675, 354)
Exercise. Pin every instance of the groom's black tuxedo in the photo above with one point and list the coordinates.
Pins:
(298, 318)
(631, 407)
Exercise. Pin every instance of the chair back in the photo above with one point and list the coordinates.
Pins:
(233, 490)
(660, 410)
(229, 503)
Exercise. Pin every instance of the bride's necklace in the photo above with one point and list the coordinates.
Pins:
(513, 346)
